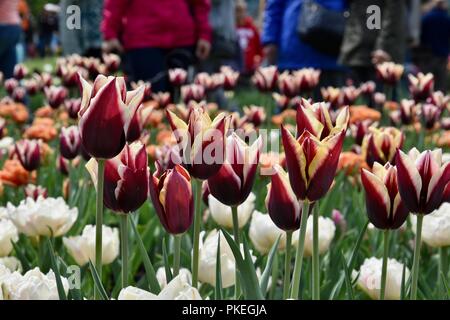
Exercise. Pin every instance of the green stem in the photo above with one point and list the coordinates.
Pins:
(299, 254)
(315, 257)
(124, 248)
(197, 223)
(99, 222)
(385, 263)
(268, 110)
(287, 265)
(234, 213)
(415, 268)
(176, 253)
(443, 267)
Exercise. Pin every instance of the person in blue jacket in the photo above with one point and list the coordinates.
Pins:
(283, 46)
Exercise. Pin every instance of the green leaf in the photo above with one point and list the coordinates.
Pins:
(149, 269)
(59, 284)
(21, 256)
(267, 270)
(445, 283)
(98, 283)
(169, 275)
(75, 293)
(357, 245)
(246, 268)
(348, 280)
(403, 284)
(218, 289)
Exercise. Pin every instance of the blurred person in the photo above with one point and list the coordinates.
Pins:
(284, 47)
(10, 31)
(363, 47)
(48, 25)
(156, 35)
(249, 39)
(435, 46)
(25, 23)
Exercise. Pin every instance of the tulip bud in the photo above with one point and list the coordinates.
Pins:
(202, 141)
(192, 92)
(69, 75)
(360, 129)
(162, 99)
(112, 62)
(126, 178)
(381, 144)
(430, 115)
(255, 115)
(69, 142)
(172, 198)
(232, 184)
(177, 77)
(422, 179)
(209, 82)
(288, 84)
(281, 202)
(439, 99)
(333, 96)
(31, 86)
(230, 77)
(62, 164)
(307, 79)
(265, 78)
(107, 115)
(311, 163)
(73, 106)
(384, 206)
(28, 152)
(389, 72)
(19, 94)
(34, 191)
(55, 96)
(20, 71)
(10, 85)
(421, 86)
(147, 88)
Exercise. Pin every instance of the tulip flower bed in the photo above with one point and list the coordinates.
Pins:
(305, 193)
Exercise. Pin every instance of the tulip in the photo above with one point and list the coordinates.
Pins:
(69, 75)
(185, 274)
(288, 84)
(63, 165)
(327, 231)
(255, 115)
(31, 86)
(422, 179)
(407, 111)
(193, 92)
(107, 115)
(421, 86)
(222, 214)
(264, 233)
(45, 79)
(389, 72)
(10, 85)
(282, 101)
(28, 152)
(34, 191)
(20, 71)
(73, 106)
(380, 145)
(55, 96)
(360, 129)
(112, 62)
(318, 120)
(430, 115)
(69, 142)
(147, 88)
(177, 77)
(12, 264)
(439, 99)
(162, 99)
(230, 77)
(19, 94)
(232, 184)
(368, 89)
(8, 236)
(265, 78)
(3, 129)
(307, 79)
(209, 82)
(384, 206)
(333, 96)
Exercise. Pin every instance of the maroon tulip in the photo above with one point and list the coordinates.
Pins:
(380, 145)
(255, 115)
(55, 96)
(69, 142)
(282, 205)
(19, 94)
(193, 92)
(69, 75)
(421, 86)
(73, 107)
(62, 164)
(265, 78)
(288, 84)
(360, 129)
(422, 179)
(10, 85)
(384, 205)
(28, 152)
(31, 86)
(162, 99)
(20, 71)
(107, 115)
(209, 82)
(430, 115)
(167, 156)
(439, 99)
(234, 181)
(112, 62)
(147, 88)
(126, 178)
(230, 77)
(177, 77)
(34, 191)
(307, 79)
(171, 195)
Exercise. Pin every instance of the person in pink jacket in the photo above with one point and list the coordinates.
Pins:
(156, 35)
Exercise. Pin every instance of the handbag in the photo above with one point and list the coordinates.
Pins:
(321, 28)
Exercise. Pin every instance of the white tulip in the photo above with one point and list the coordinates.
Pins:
(369, 279)
(4, 213)
(208, 258)
(6, 143)
(82, 248)
(43, 217)
(5, 273)
(436, 227)
(263, 233)
(177, 289)
(33, 285)
(12, 263)
(185, 274)
(8, 233)
(327, 230)
(221, 213)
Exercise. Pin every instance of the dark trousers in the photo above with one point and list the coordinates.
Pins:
(9, 37)
(152, 64)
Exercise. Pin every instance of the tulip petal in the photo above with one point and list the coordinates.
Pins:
(409, 181)
(436, 188)
(226, 185)
(377, 199)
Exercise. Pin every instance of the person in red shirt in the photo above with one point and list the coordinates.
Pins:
(249, 39)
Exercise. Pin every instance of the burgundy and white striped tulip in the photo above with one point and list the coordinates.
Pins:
(234, 181)
(265, 78)
(421, 86)
(288, 84)
(63, 165)
(32, 86)
(281, 202)
(28, 153)
(439, 99)
(422, 179)
(389, 72)
(10, 85)
(177, 77)
(33, 191)
(73, 107)
(230, 77)
(380, 145)
(19, 94)
(126, 178)
(360, 129)
(307, 79)
(193, 92)
(112, 62)
(172, 197)
(162, 99)
(107, 116)
(209, 82)
(55, 96)
(384, 205)
(311, 162)
(430, 115)
(20, 71)
(147, 88)
(69, 142)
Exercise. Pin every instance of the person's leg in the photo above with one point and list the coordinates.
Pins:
(9, 37)
(148, 64)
